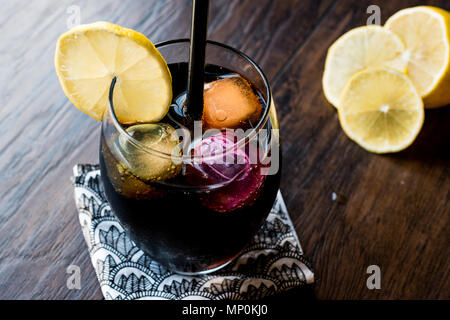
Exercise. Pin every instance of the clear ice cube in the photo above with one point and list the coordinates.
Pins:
(230, 103)
(151, 165)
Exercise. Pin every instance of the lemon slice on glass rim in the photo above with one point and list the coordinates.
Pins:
(88, 57)
(381, 110)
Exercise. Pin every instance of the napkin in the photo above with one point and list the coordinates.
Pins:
(272, 262)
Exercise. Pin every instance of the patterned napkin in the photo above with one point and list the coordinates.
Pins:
(272, 262)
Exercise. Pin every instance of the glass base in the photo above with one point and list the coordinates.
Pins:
(207, 271)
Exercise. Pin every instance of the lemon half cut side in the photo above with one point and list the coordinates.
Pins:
(426, 34)
(88, 57)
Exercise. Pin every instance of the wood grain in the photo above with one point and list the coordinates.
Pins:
(394, 209)
(391, 210)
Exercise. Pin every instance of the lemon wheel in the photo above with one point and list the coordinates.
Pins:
(381, 110)
(356, 50)
(88, 57)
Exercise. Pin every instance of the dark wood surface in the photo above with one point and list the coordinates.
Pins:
(390, 210)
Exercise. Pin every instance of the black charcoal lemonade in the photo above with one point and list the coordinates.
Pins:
(192, 216)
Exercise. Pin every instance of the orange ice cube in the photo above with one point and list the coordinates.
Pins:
(230, 103)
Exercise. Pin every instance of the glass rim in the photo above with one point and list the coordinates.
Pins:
(188, 158)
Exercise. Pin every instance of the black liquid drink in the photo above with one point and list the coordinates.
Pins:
(197, 210)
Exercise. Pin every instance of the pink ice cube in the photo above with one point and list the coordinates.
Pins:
(220, 162)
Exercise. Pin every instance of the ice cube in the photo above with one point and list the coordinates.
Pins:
(224, 165)
(230, 103)
(150, 165)
(131, 187)
(242, 191)
(218, 160)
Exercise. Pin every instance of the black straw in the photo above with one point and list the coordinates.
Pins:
(199, 30)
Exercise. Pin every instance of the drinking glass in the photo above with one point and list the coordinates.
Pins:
(198, 221)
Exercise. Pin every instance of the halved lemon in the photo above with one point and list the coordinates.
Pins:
(381, 110)
(426, 34)
(356, 50)
(88, 57)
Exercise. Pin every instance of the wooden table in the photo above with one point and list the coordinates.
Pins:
(391, 210)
